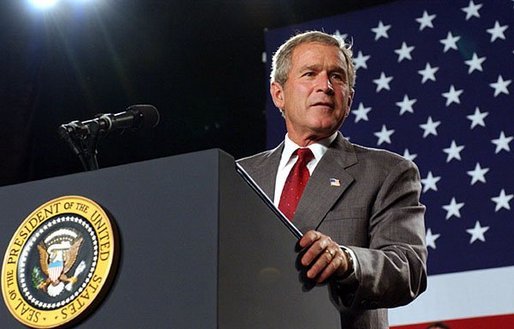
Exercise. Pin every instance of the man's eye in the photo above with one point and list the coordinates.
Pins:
(308, 74)
(337, 76)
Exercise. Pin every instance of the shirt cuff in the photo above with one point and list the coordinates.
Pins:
(352, 260)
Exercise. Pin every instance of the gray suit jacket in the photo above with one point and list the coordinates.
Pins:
(375, 212)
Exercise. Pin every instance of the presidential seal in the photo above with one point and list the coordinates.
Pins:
(59, 262)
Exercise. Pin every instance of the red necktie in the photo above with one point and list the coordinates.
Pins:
(295, 183)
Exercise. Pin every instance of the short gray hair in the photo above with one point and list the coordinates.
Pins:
(281, 63)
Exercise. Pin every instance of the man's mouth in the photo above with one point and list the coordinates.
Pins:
(323, 104)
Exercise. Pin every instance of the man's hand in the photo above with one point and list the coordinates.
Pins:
(322, 256)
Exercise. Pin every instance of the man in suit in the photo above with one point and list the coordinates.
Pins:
(360, 213)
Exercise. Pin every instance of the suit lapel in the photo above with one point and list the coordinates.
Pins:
(326, 185)
(267, 172)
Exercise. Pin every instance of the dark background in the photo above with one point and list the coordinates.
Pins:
(199, 62)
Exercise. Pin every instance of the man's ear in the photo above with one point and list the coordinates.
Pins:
(277, 94)
(350, 100)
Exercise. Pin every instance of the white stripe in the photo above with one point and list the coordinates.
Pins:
(460, 295)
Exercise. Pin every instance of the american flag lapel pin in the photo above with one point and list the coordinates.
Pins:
(335, 182)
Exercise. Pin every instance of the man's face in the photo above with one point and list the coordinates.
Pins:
(316, 97)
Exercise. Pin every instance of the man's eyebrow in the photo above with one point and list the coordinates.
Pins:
(336, 68)
(310, 67)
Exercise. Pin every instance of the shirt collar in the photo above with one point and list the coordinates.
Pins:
(318, 149)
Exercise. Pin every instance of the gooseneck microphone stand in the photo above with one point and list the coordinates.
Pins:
(82, 136)
(82, 139)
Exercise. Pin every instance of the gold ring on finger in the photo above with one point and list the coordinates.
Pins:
(331, 252)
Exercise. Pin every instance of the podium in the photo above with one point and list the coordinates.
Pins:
(198, 248)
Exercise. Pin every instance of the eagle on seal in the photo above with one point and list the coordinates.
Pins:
(57, 261)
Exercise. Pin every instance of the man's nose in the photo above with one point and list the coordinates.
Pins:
(324, 84)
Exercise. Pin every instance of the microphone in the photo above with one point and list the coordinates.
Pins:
(135, 117)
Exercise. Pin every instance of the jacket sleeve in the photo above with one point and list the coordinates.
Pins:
(392, 271)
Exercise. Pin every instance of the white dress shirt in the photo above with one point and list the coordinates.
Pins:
(287, 161)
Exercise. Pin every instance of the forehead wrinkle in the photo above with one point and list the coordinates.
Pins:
(321, 67)
(340, 65)
(310, 59)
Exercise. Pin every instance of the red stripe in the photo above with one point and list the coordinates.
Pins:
(498, 321)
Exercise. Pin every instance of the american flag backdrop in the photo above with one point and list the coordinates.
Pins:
(435, 84)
